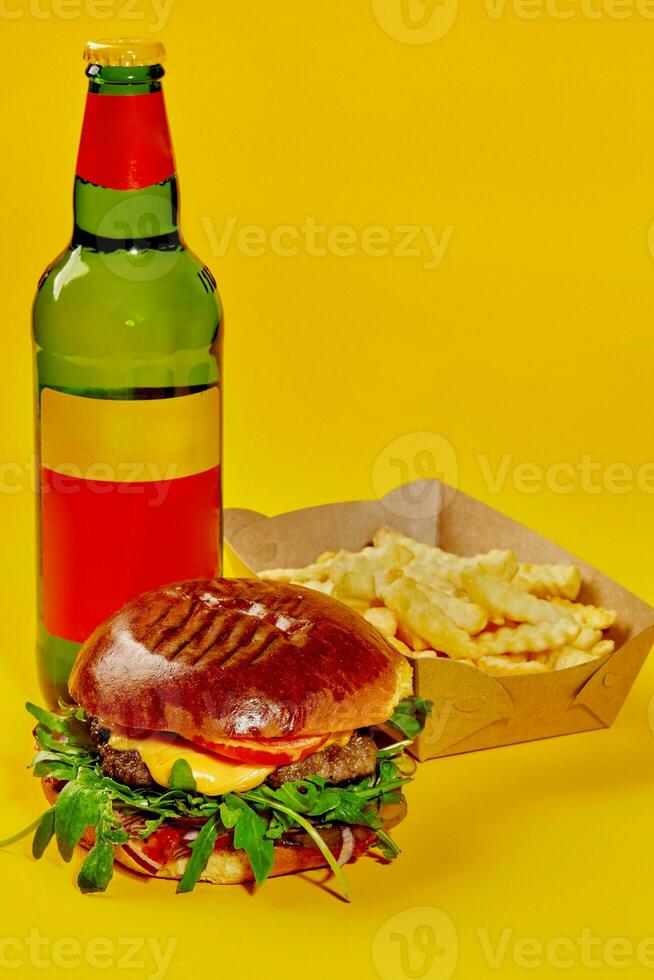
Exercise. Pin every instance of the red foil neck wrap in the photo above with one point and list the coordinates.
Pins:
(125, 141)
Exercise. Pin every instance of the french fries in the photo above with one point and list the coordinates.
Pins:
(384, 619)
(413, 606)
(587, 638)
(510, 665)
(594, 616)
(489, 611)
(549, 580)
(526, 638)
(602, 648)
(442, 564)
(318, 572)
(506, 600)
(569, 657)
(468, 615)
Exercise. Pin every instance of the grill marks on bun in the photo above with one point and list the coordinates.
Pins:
(224, 658)
(225, 630)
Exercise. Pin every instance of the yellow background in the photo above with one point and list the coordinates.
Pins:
(528, 132)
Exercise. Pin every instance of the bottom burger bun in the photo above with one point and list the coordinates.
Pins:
(228, 866)
(225, 866)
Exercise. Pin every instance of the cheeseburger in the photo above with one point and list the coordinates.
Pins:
(225, 731)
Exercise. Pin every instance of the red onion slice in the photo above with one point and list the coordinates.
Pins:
(150, 866)
(347, 846)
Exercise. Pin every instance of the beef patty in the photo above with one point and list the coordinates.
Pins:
(125, 765)
(336, 763)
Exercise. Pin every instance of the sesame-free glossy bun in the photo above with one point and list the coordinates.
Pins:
(234, 658)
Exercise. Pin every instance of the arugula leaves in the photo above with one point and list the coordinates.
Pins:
(257, 817)
(77, 808)
(410, 716)
(201, 851)
(181, 776)
(48, 719)
(71, 725)
(81, 805)
(98, 868)
(44, 833)
(250, 834)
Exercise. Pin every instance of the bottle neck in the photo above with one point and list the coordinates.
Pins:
(125, 185)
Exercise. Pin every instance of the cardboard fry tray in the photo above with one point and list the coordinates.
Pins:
(472, 710)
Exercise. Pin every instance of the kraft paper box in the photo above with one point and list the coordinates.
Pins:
(471, 710)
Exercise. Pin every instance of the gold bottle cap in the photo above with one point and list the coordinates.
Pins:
(130, 52)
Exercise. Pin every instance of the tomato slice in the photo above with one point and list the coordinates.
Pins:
(163, 844)
(265, 751)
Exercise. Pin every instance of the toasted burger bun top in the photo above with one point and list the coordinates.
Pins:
(220, 658)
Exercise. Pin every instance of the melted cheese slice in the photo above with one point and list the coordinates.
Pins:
(213, 775)
(339, 738)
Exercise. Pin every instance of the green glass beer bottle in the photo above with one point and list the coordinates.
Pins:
(127, 328)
